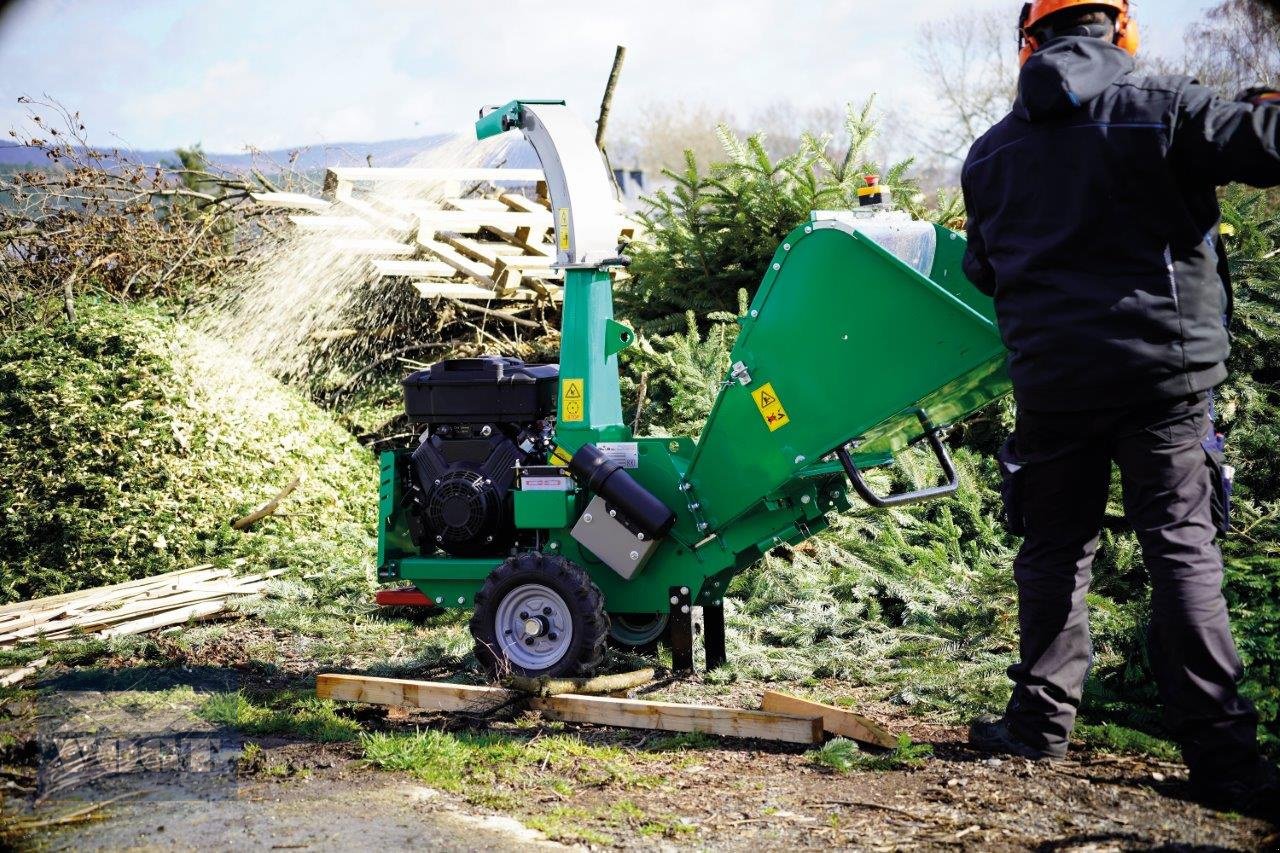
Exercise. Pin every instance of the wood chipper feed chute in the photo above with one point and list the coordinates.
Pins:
(843, 343)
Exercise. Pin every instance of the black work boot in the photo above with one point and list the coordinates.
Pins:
(1255, 792)
(991, 734)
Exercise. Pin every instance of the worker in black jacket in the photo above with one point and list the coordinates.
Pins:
(1094, 223)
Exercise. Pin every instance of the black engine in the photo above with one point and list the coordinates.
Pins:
(479, 417)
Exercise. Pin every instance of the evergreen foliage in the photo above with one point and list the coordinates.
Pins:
(713, 233)
(128, 443)
(920, 600)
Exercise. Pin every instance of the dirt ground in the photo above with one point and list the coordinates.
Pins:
(125, 734)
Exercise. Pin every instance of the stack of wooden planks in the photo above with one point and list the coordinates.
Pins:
(783, 718)
(133, 607)
(463, 233)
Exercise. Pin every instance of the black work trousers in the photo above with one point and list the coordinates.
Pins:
(1062, 490)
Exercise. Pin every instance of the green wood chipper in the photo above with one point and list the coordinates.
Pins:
(528, 499)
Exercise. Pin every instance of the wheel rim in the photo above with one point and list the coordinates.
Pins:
(637, 629)
(534, 627)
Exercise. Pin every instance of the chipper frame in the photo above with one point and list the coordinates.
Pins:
(848, 354)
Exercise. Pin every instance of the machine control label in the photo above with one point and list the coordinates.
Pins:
(625, 454)
(564, 229)
(571, 400)
(775, 417)
(545, 484)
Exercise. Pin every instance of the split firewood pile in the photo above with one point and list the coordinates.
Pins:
(462, 233)
(781, 717)
(133, 607)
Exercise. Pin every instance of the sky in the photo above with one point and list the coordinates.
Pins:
(146, 74)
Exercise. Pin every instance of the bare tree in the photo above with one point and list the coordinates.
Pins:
(970, 58)
(1236, 46)
(656, 139)
(659, 136)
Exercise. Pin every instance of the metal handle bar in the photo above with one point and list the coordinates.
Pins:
(931, 434)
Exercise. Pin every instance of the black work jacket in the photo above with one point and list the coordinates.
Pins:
(1094, 221)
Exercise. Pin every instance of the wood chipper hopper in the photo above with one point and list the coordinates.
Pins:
(528, 500)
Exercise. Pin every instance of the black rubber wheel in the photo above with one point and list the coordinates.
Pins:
(639, 632)
(512, 634)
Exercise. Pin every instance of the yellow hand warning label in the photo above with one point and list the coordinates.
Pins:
(770, 407)
(571, 400)
(564, 229)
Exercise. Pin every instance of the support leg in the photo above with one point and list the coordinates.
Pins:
(713, 635)
(681, 630)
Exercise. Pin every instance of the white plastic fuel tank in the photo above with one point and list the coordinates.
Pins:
(911, 241)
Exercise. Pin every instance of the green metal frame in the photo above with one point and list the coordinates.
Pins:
(853, 342)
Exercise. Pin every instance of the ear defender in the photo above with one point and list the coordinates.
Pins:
(1126, 37)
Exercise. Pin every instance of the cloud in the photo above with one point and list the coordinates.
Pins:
(231, 73)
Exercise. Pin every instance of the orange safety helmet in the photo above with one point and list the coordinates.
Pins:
(1035, 12)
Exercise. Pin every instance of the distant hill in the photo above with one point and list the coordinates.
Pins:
(392, 152)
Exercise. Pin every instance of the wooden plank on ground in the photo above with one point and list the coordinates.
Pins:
(598, 710)
(427, 695)
(674, 717)
(837, 721)
(122, 588)
(169, 617)
(10, 677)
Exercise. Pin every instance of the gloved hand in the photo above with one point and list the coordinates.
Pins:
(1259, 96)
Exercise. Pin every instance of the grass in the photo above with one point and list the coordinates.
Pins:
(843, 756)
(294, 716)
(466, 762)
(1108, 737)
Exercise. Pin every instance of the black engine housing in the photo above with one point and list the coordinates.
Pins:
(461, 474)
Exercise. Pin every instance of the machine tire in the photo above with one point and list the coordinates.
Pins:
(631, 631)
(585, 604)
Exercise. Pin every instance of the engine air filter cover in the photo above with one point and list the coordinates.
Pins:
(475, 390)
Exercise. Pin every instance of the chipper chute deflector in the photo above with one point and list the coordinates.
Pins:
(528, 500)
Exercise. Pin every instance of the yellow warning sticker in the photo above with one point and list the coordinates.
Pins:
(770, 407)
(571, 400)
(564, 229)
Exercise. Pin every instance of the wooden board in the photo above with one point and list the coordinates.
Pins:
(292, 201)
(10, 677)
(456, 290)
(373, 215)
(673, 717)
(461, 263)
(466, 221)
(412, 269)
(427, 695)
(599, 710)
(373, 246)
(330, 223)
(413, 175)
(114, 590)
(835, 720)
(515, 201)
